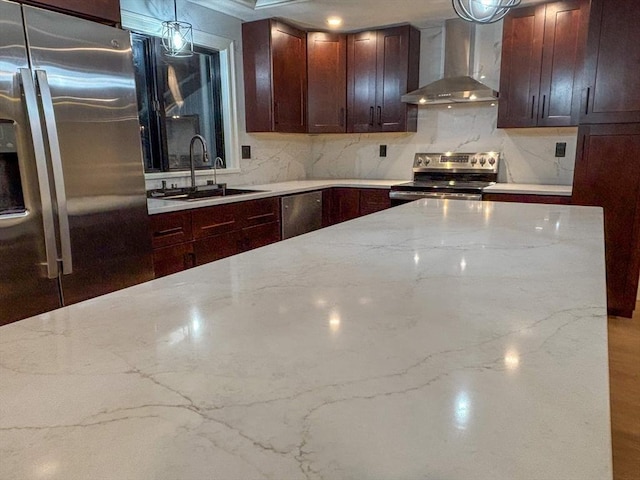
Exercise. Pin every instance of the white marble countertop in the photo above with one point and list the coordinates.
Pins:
(156, 206)
(530, 189)
(268, 190)
(434, 340)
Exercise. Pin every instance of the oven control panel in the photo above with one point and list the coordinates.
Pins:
(486, 162)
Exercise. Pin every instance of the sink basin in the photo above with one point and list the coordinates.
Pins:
(201, 193)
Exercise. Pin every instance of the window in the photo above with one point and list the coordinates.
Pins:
(177, 99)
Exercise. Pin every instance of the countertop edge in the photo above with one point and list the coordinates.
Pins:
(530, 189)
(157, 206)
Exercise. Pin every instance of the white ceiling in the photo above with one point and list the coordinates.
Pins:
(357, 14)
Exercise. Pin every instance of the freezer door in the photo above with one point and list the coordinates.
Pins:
(27, 255)
(84, 75)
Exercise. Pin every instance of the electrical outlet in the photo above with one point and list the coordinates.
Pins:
(561, 149)
(246, 152)
(383, 150)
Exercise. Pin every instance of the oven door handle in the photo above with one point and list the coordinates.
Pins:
(409, 196)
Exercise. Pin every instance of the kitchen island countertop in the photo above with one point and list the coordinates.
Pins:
(437, 339)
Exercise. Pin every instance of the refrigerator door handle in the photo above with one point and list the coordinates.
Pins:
(31, 101)
(56, 166)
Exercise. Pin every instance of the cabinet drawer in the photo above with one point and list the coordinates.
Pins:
(373, 200)
(173, 259)
(216, 220)
(170, 229)
(260, 235)
(217, 247)
(259, 212)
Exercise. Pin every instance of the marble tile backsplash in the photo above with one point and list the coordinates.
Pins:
(527, 154)
(275, 158)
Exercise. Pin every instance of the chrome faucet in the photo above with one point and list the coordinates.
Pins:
(205, 157)
(217, 161)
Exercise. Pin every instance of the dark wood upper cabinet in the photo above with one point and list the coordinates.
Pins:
(607, 175)
(542, 55)
(382, 65)
(104, 11)
(612, 80)
(275, 74)
(327, 82)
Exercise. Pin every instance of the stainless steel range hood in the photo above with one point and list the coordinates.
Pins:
(457, 86)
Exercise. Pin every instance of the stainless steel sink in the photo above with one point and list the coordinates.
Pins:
(204, 194)
(200, 193)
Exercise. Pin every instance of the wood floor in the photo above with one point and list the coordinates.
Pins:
(624, 371)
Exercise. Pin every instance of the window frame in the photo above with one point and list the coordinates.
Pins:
(227, 49)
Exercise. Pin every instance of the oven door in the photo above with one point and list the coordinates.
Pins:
(402, 196)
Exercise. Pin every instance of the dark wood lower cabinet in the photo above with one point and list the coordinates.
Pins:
(216, 247)
(173, 259)
(374, 200)
(185, 239)
(607, 174)
(526, 198)
(261, 235)
(346, 203)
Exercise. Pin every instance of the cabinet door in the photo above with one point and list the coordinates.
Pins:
(522, 39)
(256, 61)
(373, 200)
(173, 259)
(289, 66)
(608, 176)
(107, 11)
(327, 207)
(345, 204)
(613, 61)
(327, 82)
(361, 82)
(398, 57)
(170, 228)
(562, 56)
(217, 247)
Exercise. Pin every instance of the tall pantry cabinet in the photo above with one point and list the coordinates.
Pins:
(607, 171)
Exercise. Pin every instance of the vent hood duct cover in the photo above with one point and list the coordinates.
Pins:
(457, 86)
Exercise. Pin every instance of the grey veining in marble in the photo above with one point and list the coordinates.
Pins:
(437, 340)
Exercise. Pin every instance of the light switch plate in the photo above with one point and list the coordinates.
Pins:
(246, 152)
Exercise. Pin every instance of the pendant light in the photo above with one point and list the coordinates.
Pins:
(177, 37)
(483, 11)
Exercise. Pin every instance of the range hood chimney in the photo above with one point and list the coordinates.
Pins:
(457, 86)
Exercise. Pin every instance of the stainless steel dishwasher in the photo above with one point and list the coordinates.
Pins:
(301, 213)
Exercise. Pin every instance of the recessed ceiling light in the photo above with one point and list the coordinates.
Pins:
(334, 21)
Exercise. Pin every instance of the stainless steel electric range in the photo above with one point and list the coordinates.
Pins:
(448, 175)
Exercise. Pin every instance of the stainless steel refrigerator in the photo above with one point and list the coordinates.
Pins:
(73, 217)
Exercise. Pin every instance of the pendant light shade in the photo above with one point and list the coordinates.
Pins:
(483, 11)
(177, 37)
